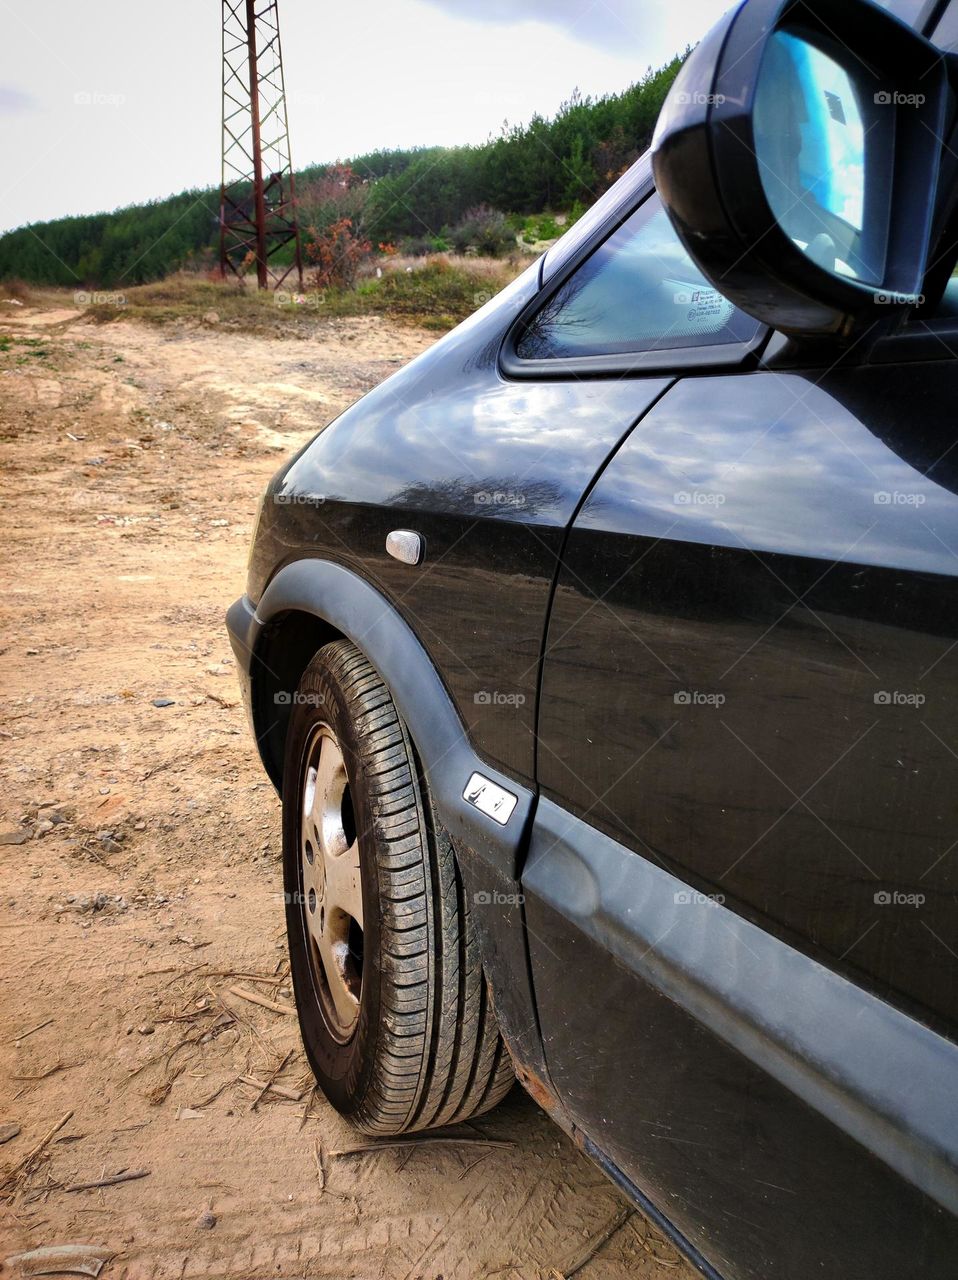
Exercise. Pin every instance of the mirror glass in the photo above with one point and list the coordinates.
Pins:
(809, 124)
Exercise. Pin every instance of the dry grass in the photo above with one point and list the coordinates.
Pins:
(15, 290)
(434, 293)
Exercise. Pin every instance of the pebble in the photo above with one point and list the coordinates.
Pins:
(163, 702)
(20, 836)
(43, 826)
(8, 1130)
(206, 1221)
(146, 1029)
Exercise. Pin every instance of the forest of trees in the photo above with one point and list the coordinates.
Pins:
(410, 195)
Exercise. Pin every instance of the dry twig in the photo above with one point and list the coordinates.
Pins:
(23, 1034)
(129, 1175)
(21, 1171)
(597, 1242)
(425, 1141)
(254, 998)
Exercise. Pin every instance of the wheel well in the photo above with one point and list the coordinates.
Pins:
(286, 647)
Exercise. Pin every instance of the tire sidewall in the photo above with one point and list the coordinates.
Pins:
(344, 1070)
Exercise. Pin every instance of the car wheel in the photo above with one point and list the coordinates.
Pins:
(394, 1008)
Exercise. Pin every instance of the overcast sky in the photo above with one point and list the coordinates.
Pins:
(108, 102)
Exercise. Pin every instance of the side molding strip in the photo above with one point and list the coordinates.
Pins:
(882, 1077)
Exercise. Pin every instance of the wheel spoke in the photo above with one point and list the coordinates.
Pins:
(328, 797)
(331, 884)
(344, 891)
(334, 953)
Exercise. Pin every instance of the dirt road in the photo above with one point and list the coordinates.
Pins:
(140, 874)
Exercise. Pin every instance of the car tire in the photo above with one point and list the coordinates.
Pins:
(395, 1012)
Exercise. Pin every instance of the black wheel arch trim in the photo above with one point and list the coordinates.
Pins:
(488, 853)
(351, 606)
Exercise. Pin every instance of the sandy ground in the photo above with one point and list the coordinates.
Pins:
(140, 873)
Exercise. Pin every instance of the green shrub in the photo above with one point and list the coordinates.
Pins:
(549, 229)
(422, 246)
(484, 230)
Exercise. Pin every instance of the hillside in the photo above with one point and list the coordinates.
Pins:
(410, 198)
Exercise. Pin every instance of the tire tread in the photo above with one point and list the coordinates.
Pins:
(440, 1055)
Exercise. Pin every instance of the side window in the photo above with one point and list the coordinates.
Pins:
(638, 291)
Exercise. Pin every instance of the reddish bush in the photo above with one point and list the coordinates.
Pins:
(337, 253)
(337, 193)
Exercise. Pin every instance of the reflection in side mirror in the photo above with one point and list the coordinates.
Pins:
(810, 143)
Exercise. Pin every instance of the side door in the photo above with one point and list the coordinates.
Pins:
(741, 892)
(742, 882)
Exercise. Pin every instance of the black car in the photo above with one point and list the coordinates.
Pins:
(606, 659)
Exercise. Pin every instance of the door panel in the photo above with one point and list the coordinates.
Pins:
(752, 663)
(751, 682)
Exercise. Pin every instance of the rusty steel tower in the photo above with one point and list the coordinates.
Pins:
(258, 195)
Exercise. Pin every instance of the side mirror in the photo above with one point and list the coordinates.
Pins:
(797, 155)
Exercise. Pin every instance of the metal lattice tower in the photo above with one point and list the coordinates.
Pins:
(257, 196)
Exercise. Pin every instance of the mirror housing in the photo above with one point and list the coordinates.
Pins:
(776, 79)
